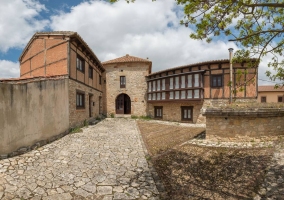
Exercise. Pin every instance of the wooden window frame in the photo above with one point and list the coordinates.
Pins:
(216, 76)
(263, 99)
(78, 104)
(155, 112)
(182, 113)
(122, 81)
(280, 97)
(80, 64)
(100, 79)
(91, 73)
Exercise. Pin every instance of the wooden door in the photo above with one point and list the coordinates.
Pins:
(120, 104)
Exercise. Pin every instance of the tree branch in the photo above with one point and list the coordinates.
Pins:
(257, 33)
(275, 5)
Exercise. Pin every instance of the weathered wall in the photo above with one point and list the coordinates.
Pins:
(30, 112)
(241, 124)
(136, 86)
(172, 111)
(77, 116)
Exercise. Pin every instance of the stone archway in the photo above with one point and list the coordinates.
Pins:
(123, 104)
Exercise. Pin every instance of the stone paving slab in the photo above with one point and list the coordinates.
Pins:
(105, 161)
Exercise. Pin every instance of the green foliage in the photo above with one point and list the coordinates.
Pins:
(141, 117)
(111, 115)
(256, 26)
(76, 130)
(134, 117)
(86, 123)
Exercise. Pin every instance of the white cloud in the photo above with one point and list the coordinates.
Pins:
(9, 69)
(18, 22)
(143, 29)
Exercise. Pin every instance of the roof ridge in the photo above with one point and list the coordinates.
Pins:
(125, 59)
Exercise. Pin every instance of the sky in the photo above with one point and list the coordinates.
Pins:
(144, 29)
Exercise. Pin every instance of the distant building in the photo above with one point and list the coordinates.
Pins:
(268, 94)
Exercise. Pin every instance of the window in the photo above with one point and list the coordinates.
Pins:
(100, 79)
(171, 83)
(217, 80)
(196, 80)
(189, 94)
(80, 64)
(91, 72)
(176, 82)
(80, 100)
(158, 112)
(189, 80)
(163, 95)
(154, 85)
(158, 96)
(154, 96)
(263, 100)
(122, 82)
(149, 87)
(182, 95)
(163, 84)
(149, 96)
(171, 95)
(182, 85)
(196, 94)
(158, 85)
(186, 113)
(280, 98)
(176, 94)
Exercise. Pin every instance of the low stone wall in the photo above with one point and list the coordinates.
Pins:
(243, 124)
(31, 112)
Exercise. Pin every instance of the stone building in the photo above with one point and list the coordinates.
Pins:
(126, 85)
(65, 53)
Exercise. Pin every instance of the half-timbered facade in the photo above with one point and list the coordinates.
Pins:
(65, 53)
(179, 93)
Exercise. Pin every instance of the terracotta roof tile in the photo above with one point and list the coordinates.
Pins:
(126, 59)
(269, 88)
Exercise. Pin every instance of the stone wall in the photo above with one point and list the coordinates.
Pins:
(31, 111)
(77, 116)
(136, 86)
(243, 124)
(172, 111)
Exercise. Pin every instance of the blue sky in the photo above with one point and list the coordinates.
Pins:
(143, 29)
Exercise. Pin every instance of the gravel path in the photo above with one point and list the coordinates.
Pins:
(105, 161)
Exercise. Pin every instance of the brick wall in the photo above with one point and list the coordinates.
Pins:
(77, 116)
(243, 124)
(45, 56)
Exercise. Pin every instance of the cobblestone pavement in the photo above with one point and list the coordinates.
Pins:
(105, 161)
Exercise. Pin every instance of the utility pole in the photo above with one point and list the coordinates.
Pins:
(231, 72)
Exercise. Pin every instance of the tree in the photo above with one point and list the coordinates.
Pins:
(256, 26)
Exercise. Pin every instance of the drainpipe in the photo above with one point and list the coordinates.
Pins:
(231, 72)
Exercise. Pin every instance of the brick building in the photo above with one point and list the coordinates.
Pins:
(65, 53)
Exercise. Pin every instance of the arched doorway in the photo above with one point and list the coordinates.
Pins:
(123, 104)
